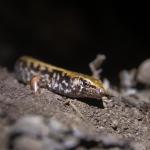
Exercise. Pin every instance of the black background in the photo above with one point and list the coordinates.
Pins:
(70, 35)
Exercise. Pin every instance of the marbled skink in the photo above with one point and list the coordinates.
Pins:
(58, 80)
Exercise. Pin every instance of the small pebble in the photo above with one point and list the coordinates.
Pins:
(114, 124)
(27, 143)
(127, 78)
(56, 126)
(71, 143)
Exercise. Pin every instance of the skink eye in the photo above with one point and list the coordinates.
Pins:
(85, 83)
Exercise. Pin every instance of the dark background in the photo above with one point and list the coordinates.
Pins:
(70, 35)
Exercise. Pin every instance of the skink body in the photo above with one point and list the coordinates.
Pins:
(58, 80)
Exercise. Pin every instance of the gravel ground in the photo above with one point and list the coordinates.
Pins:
(48, 121)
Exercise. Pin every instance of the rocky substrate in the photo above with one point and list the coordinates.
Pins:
(48, 121)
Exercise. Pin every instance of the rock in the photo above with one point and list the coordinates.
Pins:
(30, 125)
(127, 78)
(27, 143)
(143, 73)
(28, 128)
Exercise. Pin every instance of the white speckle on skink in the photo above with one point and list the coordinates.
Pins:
(57, 77)
(65, 83)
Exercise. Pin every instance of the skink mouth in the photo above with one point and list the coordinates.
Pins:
(95, 93)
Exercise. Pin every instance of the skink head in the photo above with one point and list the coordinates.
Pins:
(89, 87)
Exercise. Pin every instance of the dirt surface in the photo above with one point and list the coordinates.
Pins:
(121, 122)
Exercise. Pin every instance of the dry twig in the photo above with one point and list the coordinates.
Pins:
(96, 64)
